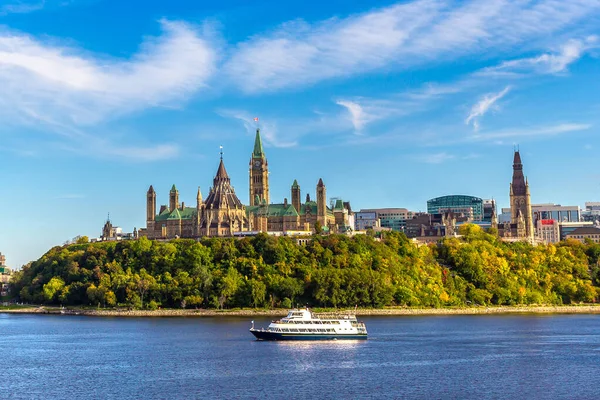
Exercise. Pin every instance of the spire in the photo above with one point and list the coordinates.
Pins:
(151, 189)
(258, 147)
(199, 196)
(295, 184)
(518, 180)
(517, 160)
(173, 189)
(221, 174)
(320, 184)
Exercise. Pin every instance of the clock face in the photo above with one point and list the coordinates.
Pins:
(257, 163)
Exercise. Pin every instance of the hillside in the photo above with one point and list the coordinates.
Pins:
(330, 271)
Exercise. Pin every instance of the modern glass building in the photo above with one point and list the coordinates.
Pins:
(556, 212)
(468, 205)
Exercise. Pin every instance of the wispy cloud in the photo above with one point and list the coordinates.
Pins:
(144, 154)
(402, 36)
(268, 129)
(69, 196)
(483, 105)
(63, 84)
(358, 115)
(68, 92)
(523, 133)
(547, 63)
(21, 7)
(435, 158)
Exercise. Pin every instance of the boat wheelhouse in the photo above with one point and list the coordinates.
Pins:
(302, 324)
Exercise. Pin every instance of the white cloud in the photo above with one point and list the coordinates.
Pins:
(68, 92)
(482, 106)
(268, 129)
(547, 63)
(46, 81)
(358, 116)
(436, 158)
(522, 133)
(21, 7)
(144, 154)
(402, 35)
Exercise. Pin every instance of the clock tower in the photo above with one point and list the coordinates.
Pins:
(259, 174)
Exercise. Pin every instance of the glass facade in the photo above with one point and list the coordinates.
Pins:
(457, 203)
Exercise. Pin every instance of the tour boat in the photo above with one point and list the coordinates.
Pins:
(302, 324)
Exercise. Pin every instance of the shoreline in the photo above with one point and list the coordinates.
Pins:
(573, 309)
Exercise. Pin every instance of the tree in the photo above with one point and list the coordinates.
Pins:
(318, 227)
(82, 240)
(52, 289)
(143, 281)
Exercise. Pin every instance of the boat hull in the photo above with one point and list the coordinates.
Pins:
(266, 335)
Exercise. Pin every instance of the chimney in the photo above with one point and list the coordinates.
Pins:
(285, 203)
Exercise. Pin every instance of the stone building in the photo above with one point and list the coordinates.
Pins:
(587, 232)
(221, 214)
(520, 226)
(290, 216)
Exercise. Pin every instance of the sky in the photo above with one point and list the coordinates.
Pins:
(390, 103)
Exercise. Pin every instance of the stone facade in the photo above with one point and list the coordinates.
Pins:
(520, 226)
(221, 214)
(295, 215)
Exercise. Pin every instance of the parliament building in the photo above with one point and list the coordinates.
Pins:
(223, 214)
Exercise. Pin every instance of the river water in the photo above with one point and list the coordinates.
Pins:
(428, 357)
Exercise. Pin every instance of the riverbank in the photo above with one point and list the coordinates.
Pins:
(400, 311)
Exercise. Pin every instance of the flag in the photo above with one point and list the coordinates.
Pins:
(255, 119)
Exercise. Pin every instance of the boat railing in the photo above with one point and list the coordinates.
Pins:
(334, 315)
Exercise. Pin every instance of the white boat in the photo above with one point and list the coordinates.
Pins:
(302, 324)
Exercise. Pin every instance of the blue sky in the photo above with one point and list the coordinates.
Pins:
(391, 103)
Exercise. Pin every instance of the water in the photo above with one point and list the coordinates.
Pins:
(460, 357)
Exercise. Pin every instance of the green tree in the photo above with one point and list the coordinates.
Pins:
(52, 289)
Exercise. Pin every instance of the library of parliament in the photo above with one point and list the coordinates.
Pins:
(223, 214)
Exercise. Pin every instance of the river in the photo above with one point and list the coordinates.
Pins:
(416, 357)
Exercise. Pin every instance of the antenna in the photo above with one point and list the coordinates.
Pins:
(221, 148)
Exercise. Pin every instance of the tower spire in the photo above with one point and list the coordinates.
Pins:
(259, 172)
(258, 147)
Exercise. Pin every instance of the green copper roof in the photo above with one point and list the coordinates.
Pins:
(186, 213)
(295, 184)
(173, 189)
(339, 205)
(280, 210)
(258, 148)
(273, 210)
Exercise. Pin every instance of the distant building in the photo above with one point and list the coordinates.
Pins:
(5, 275)
(489, 210)
(468, 205)
(581, 234)
(112, 233)
(556, 212)
(392, 218)
(566, 228)
(520, 226)
(364, 220)
(547, 230)
(591, 212)
(432, 227)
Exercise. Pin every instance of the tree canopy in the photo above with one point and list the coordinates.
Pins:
(329, 271)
